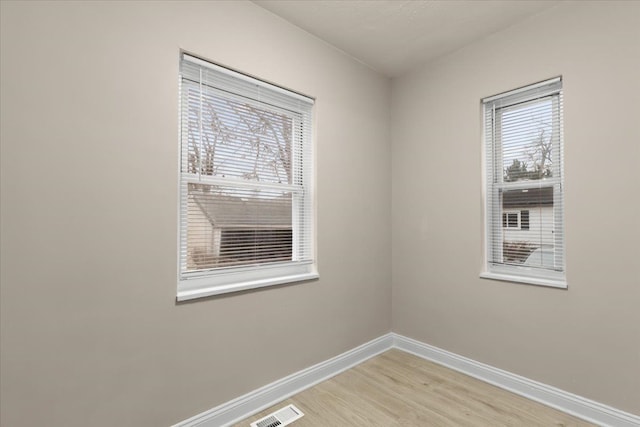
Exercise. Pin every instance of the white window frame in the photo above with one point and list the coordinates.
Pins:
(511, 212)
(214, 281)
(493, 183)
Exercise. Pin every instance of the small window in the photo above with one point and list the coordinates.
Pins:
(524, 185)
(246, 195)
(524, 220)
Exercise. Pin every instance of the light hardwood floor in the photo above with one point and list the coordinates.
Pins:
(400, 389)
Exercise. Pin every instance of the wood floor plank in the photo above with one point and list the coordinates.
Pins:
(400, 389)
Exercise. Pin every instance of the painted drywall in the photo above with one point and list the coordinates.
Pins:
(91, 333)
(586, 339)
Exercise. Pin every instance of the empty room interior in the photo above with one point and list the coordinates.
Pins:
(384, 213)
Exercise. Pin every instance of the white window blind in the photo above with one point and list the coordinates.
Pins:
(246, 201)
(524, 185)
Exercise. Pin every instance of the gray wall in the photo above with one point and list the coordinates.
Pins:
(585, 340)
(91, 333)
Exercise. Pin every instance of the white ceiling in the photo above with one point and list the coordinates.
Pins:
(392, 36)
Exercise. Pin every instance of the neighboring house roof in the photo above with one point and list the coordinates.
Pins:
(231, 211)
(528, 198)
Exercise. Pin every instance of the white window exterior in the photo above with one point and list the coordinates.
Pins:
(524, 197)
(246, 182)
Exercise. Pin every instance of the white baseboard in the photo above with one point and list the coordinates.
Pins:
(243, 407)
(569, 403)
(251, 403)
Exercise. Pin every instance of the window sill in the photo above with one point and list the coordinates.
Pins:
(538, 281)
(202, 292)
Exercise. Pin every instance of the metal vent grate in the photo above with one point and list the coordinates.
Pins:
(280, 418)
(269, 422)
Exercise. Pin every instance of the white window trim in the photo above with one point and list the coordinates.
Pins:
(515, 273)
(527, 280)
(244, 279)
(204, 283)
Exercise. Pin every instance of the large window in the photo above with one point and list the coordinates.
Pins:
(524, 185)
(246, 202)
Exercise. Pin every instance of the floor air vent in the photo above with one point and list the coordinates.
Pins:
(281, 417)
